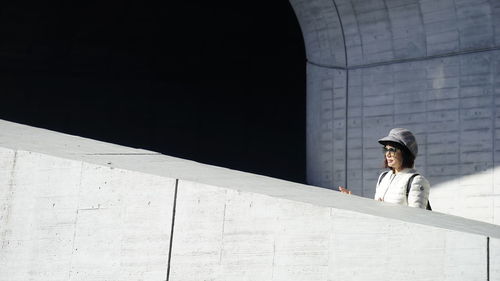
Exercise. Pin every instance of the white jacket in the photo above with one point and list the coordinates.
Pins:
(392, 189)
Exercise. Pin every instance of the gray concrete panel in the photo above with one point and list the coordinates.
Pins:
(67, 220)
(117, 231)
(326, 126)
(494, 258)
(224, 234)
(418, 250)
(38, 227)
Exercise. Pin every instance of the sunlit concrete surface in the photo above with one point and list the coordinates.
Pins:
(475, 196)
(77, 209)
(428, 66)
(494, 259)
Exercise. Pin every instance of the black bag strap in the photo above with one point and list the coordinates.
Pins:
(408, 186)
(381, 177)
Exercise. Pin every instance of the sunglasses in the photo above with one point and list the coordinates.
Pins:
(391, 150)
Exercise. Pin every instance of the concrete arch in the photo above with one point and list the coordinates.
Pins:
(430, 66)
(360, 33)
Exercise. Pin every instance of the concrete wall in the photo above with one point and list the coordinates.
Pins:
(428, 66)
(77, 209)
(69, 220)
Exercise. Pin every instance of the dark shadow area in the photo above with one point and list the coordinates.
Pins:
(219, 83)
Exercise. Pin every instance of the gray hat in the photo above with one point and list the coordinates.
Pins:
(404, 137)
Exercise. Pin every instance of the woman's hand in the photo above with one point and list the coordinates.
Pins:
(344, 190)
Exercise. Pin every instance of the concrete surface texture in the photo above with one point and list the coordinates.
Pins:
(77, 209)
(430, 66)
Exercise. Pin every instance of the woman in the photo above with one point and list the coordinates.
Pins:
(400, 150)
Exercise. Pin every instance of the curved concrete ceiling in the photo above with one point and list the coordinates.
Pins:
(355, 33)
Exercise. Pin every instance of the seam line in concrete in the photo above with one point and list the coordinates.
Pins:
(346, 95)
(172, 230)
(397, 61)
(487, 258)
(222, 233)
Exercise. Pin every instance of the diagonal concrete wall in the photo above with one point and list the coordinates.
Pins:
(63, 219)
(77, 209)
(429, 66)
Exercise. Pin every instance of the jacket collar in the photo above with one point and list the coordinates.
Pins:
(406, 171)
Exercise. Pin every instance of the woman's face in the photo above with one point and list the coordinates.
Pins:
(394, 157)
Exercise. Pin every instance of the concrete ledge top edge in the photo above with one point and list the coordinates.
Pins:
(25, 138)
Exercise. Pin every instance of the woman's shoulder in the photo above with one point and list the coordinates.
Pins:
(419, 179)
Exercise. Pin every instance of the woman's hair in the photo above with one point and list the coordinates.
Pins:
(408, 158)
